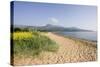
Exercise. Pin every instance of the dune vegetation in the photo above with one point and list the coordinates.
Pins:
(32, 43)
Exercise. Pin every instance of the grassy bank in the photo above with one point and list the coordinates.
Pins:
(32, 43)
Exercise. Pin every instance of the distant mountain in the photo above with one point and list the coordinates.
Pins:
(50, 27)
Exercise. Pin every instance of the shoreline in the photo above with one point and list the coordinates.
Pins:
(57, 33)
(75, 38)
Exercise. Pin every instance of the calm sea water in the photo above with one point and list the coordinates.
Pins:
(83, 35)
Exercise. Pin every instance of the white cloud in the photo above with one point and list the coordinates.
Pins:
(54, 20)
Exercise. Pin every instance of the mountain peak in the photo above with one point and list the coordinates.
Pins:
(49, 25)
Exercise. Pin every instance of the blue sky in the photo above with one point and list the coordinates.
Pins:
(67, 15)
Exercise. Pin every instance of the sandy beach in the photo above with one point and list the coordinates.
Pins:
(70, 51)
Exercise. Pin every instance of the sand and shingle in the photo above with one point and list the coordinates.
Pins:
(69, 51)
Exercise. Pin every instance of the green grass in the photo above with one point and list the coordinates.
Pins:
(34, 46)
